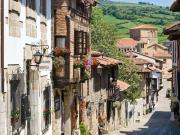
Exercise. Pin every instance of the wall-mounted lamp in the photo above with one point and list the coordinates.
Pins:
(38, 57)
(99, 69)
(39, 52)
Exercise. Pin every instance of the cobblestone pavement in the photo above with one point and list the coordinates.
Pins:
(156, 123)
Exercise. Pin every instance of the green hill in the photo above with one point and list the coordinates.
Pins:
(128, 15)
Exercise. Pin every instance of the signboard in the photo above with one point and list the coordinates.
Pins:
(46, 64)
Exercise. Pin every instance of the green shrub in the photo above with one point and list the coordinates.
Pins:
(83, 129)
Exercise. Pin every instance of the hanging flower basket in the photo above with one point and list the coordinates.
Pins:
(58, 62)
(86, 75)
(78, 64)
(60, 51)
(94, 62)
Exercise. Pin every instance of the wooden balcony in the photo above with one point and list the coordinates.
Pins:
(62, 81)
(83, 16)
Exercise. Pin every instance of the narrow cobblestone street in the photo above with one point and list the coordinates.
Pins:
(156, 123)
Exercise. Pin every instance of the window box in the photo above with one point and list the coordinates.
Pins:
(60, 51)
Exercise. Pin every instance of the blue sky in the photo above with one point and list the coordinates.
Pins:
(157, 2)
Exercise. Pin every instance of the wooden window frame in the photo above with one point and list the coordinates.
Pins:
(81, 43)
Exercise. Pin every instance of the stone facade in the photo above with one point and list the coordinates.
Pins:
(146, 35)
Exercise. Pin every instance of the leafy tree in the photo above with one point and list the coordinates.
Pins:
(104, 39)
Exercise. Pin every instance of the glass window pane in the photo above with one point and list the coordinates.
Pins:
(60, 42)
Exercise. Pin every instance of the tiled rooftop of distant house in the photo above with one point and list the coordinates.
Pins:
(144, 27)
(126, 42)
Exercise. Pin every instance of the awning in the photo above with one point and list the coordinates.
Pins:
(122, 86)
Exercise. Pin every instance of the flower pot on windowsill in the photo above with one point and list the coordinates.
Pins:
(60, 51)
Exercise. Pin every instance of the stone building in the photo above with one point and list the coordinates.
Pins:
(129, 44)
(103, 98)
(174, 35)
(72, 51)
(27, 82)
(144, 33)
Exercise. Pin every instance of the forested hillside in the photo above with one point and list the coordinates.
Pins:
(127, 15)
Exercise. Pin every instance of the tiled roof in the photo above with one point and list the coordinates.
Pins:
(142, 69)
(106, 61)
(122, 85)
(139, 61)
(126, 42)
(144, 27)
(155, 69)
(162, 54)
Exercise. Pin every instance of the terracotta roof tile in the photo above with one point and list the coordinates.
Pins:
(144, 27)
(122, 85)
(139, 61)
(142, 69)
(106, 61)
(126, 42)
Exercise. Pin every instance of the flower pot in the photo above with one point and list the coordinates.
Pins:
(59, 72)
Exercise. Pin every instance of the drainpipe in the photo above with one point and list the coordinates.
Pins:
(2, 45)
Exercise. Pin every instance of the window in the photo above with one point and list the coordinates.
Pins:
(43, 7)
(31, 4)
(60, 42)
(46, 108)
(81, 43)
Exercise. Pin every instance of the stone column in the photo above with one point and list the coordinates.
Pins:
(56, 115)
(68, 96)
(35, 122)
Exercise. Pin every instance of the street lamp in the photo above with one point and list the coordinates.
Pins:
(38, 57)
(99, 69)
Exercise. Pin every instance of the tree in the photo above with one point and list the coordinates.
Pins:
(104, 39)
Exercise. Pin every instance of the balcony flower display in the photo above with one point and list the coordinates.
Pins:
(85, 75)
(94, 62)
(78, 64)
(60, 51)
(58, 62)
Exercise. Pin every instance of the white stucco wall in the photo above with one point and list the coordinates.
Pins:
(14, 47)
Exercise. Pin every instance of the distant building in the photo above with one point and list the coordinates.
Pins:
(144, 33)
(129, 44)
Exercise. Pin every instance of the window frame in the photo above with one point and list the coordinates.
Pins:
(81, 43)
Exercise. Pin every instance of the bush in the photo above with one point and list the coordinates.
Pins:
(83, 129)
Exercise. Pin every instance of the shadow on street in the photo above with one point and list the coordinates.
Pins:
(158, 124)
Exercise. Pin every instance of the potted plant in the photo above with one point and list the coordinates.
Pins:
(85, 75)
(60, 51)
(58, 64)
(78, 64)
(15, 114)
